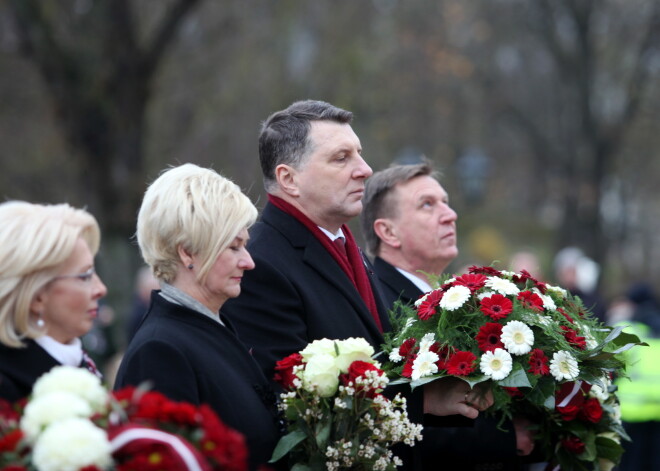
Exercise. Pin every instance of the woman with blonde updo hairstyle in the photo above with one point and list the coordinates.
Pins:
(192, 230)
(49, 291)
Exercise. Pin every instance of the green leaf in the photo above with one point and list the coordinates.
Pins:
(287, 443)
(608, 449)
(300, 467)
(323, 433)
(516, 379)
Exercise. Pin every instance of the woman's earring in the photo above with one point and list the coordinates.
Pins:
(40, 322)
(191, 266)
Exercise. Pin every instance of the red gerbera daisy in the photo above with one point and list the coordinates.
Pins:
(496, 306)
(538, 362)
(427, 308)
(443, 355)
(489, 337)
(408, 367)
(474, 282)
(461, 363)
(530, 300)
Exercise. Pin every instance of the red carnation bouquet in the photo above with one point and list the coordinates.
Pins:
(70, 422)
(528, 341)
(336, 416)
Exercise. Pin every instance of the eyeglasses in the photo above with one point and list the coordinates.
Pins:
(84, 277)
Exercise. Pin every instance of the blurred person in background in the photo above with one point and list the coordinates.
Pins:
(526, 260)
(145, 283)
(192, 230)
(410, 230)
(579, 274)
(49, 291)
(639, 394)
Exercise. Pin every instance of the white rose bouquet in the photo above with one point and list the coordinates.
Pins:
(337, 417)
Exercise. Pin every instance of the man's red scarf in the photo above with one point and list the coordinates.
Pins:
(353, 264)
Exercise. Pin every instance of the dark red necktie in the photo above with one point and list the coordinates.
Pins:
(341, 245)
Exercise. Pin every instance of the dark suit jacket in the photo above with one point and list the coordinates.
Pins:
(190, 357)
(297, 293)
(21, 367)
(478, 444)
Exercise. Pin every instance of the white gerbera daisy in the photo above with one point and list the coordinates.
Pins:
(455, 297)
(508, 273)
(485, 294)
(421, 299)
(564, 366)
(517, 338)
(394, 356)
(502, 286)
(496, 364)
(424, 365)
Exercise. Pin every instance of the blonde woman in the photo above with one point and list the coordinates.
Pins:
(192, 230)
(49, 291)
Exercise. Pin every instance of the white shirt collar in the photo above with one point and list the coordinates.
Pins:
(70, 354)
(339, 234)
(416, 280)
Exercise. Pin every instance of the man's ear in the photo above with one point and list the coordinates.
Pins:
(386, 232)
(286, 178)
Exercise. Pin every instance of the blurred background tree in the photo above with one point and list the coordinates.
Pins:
(543, 115)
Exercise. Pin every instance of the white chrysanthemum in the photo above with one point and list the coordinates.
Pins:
(517, 338)
(321, 375)
(496, 364)
(395, 357)
(49, 408)
(563, 366)
(353, 349)
(455, 297)
(589, 339)
(70, 445)
(78, 381)
(319, 347)
(426, 342)
(548, 302)
(502, 286)
(424, 365)
(557, 289)
(545, 320)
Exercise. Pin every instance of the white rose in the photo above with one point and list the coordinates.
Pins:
(321, 375)
(78, 381)
(353, 349)
(319, 347)
(49, 408)
(72, 444)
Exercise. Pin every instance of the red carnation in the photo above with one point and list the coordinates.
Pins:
(538, 362)
(427, 308)
(461, 363)
(496, 306)
(474, 282)
(284, 375)
(358, 369)
(530, 300)
(9, 441)
(592, 410)
(573, 444)
(407, 347)
(484, 270)
(408, 367)
(573, 338)
(563, 313)
(488, 337)
(222, 444)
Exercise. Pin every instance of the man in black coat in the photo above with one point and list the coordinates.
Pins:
(310, 279)
(410, 229)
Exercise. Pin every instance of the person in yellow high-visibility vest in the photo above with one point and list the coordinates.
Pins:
(640, 393)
